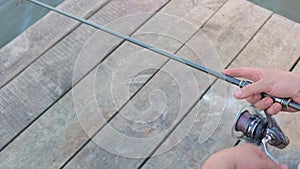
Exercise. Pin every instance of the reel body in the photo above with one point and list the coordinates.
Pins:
(256, 126)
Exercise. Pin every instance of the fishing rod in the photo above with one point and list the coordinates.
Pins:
(232, 80)
(254, 125)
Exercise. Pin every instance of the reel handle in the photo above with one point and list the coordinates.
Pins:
(288, 103)
(265, 142)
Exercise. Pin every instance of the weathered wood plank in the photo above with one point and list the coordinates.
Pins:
(235, 23)
(211, 130)
(103, 70)
(110, 137)
(40, 37)
(109, 109)
(48, 78)
(297, 68)
(275, 45)
(52, 76)
(196, 152)
(289, 123)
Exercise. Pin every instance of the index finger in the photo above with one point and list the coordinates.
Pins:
(248, 73)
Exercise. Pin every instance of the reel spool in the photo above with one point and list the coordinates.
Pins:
(256, 126)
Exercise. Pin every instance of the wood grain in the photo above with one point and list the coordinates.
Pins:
(190, 152)
(149, 103)
(110, 137)
(275, 45)
(43, 35)
(237, 18)
(45, 81)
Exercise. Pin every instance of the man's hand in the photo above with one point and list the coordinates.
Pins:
(276, 83)
(246, 156)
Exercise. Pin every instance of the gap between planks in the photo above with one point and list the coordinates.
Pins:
(205, 92)
(252, 35)
(115, 47)
(88, 16)
(68, 90)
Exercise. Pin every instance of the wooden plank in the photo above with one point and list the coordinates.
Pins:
(275, 46)
(30, 45)
(52, 76)
(156, 108)
(48, 78)
(110, 137)
(218, 28)
(191, 152)
(297, 67)
(51, 139)
(108, 108)
(289, 124)
(211, 131)
(277, 40)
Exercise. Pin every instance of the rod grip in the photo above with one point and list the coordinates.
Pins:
(285, 102)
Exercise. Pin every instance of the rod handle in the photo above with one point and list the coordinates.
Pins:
(285, 102)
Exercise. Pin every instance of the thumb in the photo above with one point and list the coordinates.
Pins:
(251, 89)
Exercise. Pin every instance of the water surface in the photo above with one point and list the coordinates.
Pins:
(17, 17)
(287, 8)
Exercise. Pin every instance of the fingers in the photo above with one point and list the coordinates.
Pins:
(274, 109)
(264, 83)
(251, 89)
(263, 104)
(253, 95)
(254, 98)
(266, 103)
(248, 73)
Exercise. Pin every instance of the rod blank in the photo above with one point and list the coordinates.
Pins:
(232, 80)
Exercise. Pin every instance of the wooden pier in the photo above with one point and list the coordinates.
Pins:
(75, 97)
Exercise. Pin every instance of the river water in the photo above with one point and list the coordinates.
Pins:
(287, 8)
(17, 18)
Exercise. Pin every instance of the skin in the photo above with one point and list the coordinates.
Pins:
(276, 83)
(244, 156)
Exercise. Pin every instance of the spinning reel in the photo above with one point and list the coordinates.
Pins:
(258, 127)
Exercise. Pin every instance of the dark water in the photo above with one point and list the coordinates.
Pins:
(14, 19)
(287, 8)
